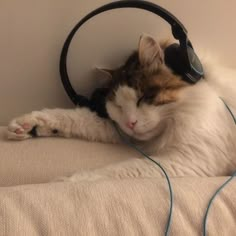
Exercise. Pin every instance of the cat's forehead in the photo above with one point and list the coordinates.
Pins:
(138, 81)
(129, 73)
(125, 95)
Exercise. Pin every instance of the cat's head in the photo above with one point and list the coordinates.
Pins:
(143, 91)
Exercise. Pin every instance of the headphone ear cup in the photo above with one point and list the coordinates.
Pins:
(190, 70)
(174, 59)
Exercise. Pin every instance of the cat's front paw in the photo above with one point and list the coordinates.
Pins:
(28, 126)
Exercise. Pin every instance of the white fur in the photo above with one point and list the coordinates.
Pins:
(194, 136)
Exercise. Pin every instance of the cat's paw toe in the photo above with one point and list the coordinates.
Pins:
(21, 128)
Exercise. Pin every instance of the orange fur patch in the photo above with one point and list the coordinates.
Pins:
(167, 84)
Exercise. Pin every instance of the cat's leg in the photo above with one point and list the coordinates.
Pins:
(79, 122)
(175, 165)
(135, 167)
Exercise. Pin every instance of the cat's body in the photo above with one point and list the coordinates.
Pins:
(186, 127)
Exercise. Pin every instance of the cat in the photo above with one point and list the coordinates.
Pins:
(186, 127)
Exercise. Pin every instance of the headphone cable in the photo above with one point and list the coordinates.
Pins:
(223, 185)
(169, 219)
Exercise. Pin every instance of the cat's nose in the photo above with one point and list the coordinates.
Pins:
(131, 124)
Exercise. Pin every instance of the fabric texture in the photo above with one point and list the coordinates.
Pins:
(129, 207)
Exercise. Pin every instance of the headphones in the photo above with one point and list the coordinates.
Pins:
(181, 57)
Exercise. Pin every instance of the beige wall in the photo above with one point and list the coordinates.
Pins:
(32, 34)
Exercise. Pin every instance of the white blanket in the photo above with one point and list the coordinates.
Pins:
(129, 207)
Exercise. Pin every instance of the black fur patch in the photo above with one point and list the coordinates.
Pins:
(55, 131)
(33, 132)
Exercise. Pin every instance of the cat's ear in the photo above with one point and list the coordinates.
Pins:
(151, 55)
(105, 73)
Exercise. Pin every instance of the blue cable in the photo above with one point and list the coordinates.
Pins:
(210, 203)
(229, 110)
(222, 186)
(168, 224)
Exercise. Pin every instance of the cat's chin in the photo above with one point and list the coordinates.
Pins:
(147, 134)
(141, 136)
(136, 135)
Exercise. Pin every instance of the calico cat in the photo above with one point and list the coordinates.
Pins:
(186, 127)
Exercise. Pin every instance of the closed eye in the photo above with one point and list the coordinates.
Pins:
(139, 100)
(148, 98)
(118, 106)
(166, 102)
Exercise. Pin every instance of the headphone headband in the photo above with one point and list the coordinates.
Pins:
(178, 31)
(178, 28)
